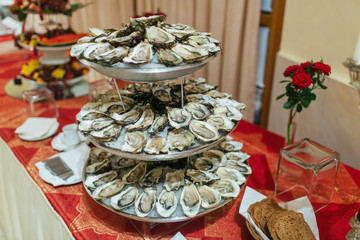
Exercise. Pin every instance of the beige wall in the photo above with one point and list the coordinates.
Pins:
(325, 29)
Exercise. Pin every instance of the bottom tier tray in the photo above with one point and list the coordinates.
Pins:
(223, 168)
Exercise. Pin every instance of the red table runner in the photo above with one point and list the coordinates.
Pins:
(88, 220)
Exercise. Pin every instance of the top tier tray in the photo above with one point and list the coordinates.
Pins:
(151, 72)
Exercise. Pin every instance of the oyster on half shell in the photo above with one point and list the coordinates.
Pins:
(197, 110)
(168, 57)
(230, 173)
(95, 181)
(221, 122)
(210, 197)
(190, 200)
(125, 198)
(227, 188)
(204, 131)
(231, 146)
(109, 189)
(128, 117)
(166, 203)
(199, 176)
(144, 121)
(142, 53)
(107, 134)
(174, 180)
(135, 174)
(159, 37)
(134, 142)
(189, 53)
(178, 117)
(145, 203)
(179, 139)
(155, 145)
(152, 177)
(158, 124)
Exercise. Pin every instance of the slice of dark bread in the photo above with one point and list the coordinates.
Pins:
(290, 225)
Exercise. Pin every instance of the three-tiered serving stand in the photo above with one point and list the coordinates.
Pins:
(152, 73)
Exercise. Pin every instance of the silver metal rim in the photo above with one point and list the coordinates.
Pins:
(141, 73)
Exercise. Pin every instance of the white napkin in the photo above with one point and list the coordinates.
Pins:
(36, 127)
(301, 205)
(74, 158)
(178, 236)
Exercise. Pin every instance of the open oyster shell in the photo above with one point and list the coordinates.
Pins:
(142, 53)
(125, 198)
(136, 174)
(159, 37)
(108, 189)
(190, 200)
(95, 181)
(204, 131)
(166, 203)
(210, 197)
(174, 180)
(145, 203)
(227, 188)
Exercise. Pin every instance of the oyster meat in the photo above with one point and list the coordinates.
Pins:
(107, 134)
(94, 51)
(168, 57)
(199, 176)
(158, 124)
(152, 177)
(78, 49)
(97, 166)
(241, 167)
(210, 197)
(227, 188)
(180, 31)
(134, 142)
(159, 37)
(95, 181)
(118, 163)
(144, 121)
(179, 139)
(189, 53)
(115, 55)
(162, 93)
(217, 154)
(125, 198)
(221, 122)
(178, 117)
(237, 156)
(232, 174)
(206, 164)
(190, 200)
(129, 117)
(145, 203)
(155, 145)
(174, 180)
(203, 130)
(166, 203)
(197, 110)
(228, 111)
(231, 146)
(142, 53)
(109, 189)
(135, 174)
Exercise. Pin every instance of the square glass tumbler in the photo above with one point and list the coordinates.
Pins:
(307, 168)
(40, 102)
(99, 87)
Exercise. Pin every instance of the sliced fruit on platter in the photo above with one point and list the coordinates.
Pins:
(62, 40)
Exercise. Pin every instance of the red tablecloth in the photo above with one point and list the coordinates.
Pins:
(88, 220)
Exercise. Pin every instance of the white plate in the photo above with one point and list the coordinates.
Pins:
(51, 132)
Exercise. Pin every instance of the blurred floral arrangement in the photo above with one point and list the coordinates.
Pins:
(54, 77)
(305, 78)
(23, 7)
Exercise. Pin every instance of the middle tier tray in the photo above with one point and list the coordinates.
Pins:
(114, 148)
(151, 72)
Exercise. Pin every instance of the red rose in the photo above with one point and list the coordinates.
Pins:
(305, 65)
(290, 70)
(299, 70)
(324, 68)
(302, 80)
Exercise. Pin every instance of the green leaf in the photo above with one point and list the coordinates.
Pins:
(298, 108)
(288, 105)
(305, 102)
(282, 95)
(312, 96)
(285, 81)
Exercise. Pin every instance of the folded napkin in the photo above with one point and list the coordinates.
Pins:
(75, 159)
(36, 127)
(178, 236)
